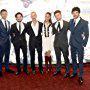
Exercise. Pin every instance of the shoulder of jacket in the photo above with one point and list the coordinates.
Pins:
(13, 24)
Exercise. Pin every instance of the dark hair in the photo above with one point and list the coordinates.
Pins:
(50, 16)
(18, 14)
(3, 10)
(76, 9)
(57, 11)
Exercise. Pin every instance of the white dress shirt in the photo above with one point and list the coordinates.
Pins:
(35, 28)
(22, 26)
(61, 24)
(76, 20)
(3, 21)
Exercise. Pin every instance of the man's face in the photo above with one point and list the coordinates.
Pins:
(75, 14)
(58, 16)
(33, 16)
(19, 18)
(4, 14)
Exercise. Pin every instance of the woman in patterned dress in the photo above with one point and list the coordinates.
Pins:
(47, 40)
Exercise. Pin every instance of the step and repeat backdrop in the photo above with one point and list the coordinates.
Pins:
(41, 7)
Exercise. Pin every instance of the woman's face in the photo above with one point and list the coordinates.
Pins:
(47, 17)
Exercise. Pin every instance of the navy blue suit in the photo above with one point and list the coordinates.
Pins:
(78, 40)
(4, 44)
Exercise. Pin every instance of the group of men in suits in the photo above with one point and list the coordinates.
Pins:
(78, 40)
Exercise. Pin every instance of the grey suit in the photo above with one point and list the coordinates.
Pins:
(61, 45)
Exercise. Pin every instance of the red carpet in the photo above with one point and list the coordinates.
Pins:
(43, 82)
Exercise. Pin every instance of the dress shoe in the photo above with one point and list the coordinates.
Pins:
(9, 71)
(73, 75)
(41, 71)
(17, 73)
(66, 75)
(1, 75)
(56, 73)
(26, 72)
(34, 72)
(80, 80)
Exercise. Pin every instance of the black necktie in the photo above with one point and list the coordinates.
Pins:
(6, 25)
(59, 27)
(20, 27)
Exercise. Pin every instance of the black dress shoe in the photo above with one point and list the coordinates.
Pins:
(17, 73)
(56, 73)
(9, 71)
(34, 72)
(1, 75)
(73, 75)
(41, 71)
(26, 72)
(66, 75)
(80, 80)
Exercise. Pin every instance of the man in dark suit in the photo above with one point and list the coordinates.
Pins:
(78, 40)
(60, 28)
(34, 29)
(18, 39)
(4, 41)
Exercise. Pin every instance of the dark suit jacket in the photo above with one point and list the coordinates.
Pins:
(4, 35)
(61, 39)
(16, 37)
(34, 40)
(77, 33)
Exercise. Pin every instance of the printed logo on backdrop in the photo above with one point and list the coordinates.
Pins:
(26, 3)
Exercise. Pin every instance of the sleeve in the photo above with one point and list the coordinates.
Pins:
(86, 34)
(27, 28)
(53, 29)
(12, 34)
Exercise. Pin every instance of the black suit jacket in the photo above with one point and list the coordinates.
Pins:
(16, 37)
(34, 40)
(61, 39)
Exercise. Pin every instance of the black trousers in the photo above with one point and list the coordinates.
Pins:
(32, 54)
(65, 52)
(17, 52)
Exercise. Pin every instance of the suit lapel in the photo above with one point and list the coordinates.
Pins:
(78, 24)
(38, 28)
(2, 26)
(55, 26)
(63, 25)
(17, 28)
(32, 28)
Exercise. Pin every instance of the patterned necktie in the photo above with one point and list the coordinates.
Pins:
(6, 25)
(59, 27)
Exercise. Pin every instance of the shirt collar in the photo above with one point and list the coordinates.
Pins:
(19, 22)
(3, 20)
(33, 24)
(60, 21)
(77, 20)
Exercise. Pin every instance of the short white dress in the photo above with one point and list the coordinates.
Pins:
(47, 38)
